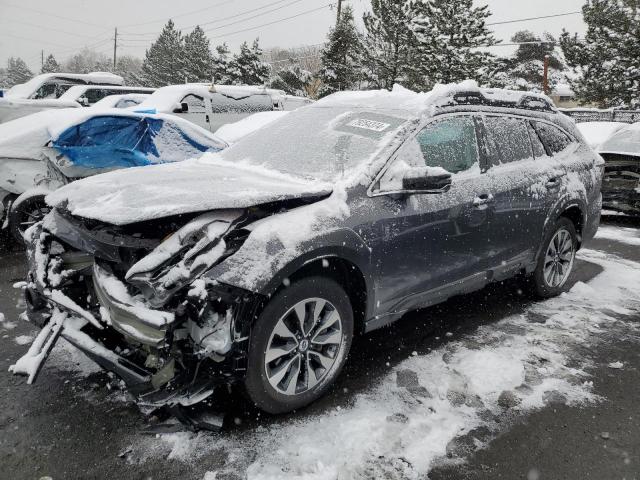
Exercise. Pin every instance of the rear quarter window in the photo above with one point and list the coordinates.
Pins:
(555, 139)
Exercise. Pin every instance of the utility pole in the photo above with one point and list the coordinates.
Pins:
(41, 59)
(115, 48)
(339, 11)
(545, 78)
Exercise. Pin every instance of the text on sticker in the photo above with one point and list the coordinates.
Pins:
(368, 125)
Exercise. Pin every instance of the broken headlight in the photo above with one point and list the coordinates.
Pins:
(183, 256)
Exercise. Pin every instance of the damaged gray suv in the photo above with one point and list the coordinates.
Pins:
(256, 266)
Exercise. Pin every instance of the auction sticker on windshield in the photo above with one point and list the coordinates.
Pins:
(368, 125)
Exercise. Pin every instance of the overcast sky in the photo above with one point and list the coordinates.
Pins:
(64, 26)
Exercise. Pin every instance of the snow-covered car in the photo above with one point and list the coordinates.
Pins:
(49, 149)
(257, 265)
(121, 101)
(234, 132)
(211, 107)
(621, 184)
(43, 92)
(596, 133)
(89, 95)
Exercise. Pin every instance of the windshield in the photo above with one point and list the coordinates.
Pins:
(318, 142)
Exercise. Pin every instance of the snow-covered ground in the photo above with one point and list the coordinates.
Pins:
(440, 405)
(630, 236)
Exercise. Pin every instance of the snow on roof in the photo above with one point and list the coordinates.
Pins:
(563, 90)
(77, 90)
(111, 101)
(425, 103)
(166, 99)
(25, 90)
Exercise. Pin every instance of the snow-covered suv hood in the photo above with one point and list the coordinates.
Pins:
(208, 183)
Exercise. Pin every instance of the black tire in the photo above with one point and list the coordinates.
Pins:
(257, 385)
(539, 285)
(25, 212)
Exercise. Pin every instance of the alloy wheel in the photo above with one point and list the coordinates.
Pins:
(559, 259)
(304, 346)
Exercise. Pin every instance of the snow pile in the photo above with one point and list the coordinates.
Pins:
(432, 405)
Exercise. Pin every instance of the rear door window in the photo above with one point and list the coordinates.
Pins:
(451, 144)
(507, 140)
(554, 138)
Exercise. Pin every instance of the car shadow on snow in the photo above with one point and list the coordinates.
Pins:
(417, 333)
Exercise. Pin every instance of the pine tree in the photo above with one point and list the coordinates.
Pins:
(608, 59)
(293, 79)
(130, 68)
(17, 71)
(50, 65)
(450, 35)
(247, 68)
(198, 57)
(341, 57)
(389, 44)
(164, 62)
(525, 69)
(221, 66)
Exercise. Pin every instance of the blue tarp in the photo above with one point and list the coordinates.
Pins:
(120, 142)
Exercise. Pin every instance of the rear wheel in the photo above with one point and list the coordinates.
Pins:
(299, 345)
(25, 212)
(556, 260)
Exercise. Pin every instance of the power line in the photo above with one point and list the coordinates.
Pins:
(533, 18)
(48, 28)
(252, 17)
(240, 14)
(49, 14)
(186, 14)
(275, 21)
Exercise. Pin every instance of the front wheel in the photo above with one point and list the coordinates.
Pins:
(556, 260)
(299, 345)
(26, 211)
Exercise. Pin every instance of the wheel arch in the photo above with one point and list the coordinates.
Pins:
(343, 266)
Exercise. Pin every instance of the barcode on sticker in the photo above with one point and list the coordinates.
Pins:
(368, 125)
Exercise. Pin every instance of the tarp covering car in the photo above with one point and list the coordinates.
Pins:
(110, 141)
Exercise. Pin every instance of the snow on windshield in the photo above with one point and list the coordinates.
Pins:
(318, 142)
(624, 141)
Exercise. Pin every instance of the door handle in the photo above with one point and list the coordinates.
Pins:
(481, 202)
(553, 182)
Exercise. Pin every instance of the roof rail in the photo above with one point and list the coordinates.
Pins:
(525, 102)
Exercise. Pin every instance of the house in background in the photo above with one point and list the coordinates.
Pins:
(564, 97)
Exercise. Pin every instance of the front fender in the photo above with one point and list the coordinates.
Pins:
(261, 267)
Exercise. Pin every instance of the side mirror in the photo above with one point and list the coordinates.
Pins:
(426, 180)
(183, 108)
(84, 101)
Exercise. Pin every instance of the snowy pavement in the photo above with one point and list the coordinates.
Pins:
(440, 387)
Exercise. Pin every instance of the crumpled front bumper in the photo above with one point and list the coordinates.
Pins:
(130, 327)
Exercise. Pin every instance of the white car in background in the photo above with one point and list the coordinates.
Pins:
(211, 106)
(60, 90)
(596, 133)
(121, 101)
(89, 95)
